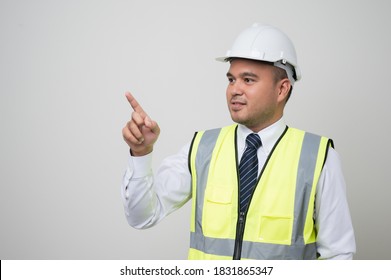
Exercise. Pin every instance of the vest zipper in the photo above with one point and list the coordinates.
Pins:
(239, 236)
(242, 215)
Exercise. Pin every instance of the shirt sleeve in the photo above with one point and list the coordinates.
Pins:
(148, 198)
(335, 239)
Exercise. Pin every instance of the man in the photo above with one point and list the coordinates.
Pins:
(259, 189)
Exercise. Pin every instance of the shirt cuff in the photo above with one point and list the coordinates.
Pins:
(141, 166)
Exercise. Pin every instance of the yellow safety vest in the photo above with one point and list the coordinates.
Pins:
(279, 221)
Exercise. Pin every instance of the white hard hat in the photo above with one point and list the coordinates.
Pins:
(266, 43)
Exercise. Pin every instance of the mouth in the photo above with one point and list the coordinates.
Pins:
(237, 105)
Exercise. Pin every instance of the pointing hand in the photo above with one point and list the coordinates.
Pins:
(141, 132)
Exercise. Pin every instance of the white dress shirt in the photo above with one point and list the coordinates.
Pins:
(148, 198)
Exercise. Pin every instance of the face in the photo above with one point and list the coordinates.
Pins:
(254, 98)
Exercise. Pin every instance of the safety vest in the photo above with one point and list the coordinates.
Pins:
(278, 223)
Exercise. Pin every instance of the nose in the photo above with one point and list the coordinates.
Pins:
(235, 88)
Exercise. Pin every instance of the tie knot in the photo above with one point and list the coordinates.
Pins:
(253, 141)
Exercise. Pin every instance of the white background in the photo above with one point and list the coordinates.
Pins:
(64, 68)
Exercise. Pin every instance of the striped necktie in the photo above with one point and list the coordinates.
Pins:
(248, 169)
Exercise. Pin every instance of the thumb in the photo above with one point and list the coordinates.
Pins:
(152, 125)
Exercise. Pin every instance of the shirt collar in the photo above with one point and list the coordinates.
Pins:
(268, 135)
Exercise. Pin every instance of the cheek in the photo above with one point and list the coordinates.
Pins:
(227, 94)
(262, 102)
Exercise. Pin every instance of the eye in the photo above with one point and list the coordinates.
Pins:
(231, 80)
(248, 80)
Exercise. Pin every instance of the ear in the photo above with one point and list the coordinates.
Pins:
(284, 87)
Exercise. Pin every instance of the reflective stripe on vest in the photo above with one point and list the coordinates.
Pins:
(302, 238)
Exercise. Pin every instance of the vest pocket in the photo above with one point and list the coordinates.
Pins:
(276, 229)
(216, 212)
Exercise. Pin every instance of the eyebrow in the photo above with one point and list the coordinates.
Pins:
(244, 74)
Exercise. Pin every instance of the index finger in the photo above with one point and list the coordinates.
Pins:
(135, 105)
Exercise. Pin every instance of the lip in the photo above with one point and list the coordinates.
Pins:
(237, 105)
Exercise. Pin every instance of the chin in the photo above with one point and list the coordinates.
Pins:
(240, 121)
